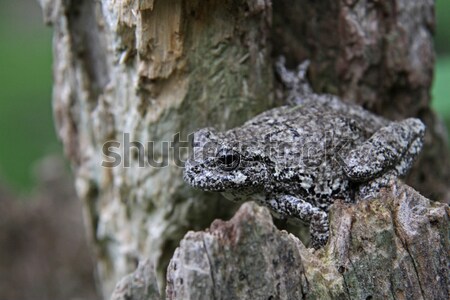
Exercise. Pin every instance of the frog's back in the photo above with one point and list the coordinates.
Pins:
(312, 124)
(302, 143)
(320, 113)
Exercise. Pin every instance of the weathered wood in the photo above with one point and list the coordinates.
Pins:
(140, 285)
(393, 247)
(153, 68)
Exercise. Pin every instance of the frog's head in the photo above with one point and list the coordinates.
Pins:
(220, 163)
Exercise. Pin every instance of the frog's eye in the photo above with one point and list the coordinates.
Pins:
(228, 159)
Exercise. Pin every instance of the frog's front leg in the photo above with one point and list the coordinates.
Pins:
(388, 153)
(293, 207)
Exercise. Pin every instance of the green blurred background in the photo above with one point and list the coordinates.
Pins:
(26, 126)
(26, 123)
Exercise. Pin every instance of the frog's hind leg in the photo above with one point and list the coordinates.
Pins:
(290, 206)
(296, 83)
(389, 153)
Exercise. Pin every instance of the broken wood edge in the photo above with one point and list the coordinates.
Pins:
(392, 247)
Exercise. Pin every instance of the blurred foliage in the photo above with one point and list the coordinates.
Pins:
(26, 126)
(441, 89)
(442, 38)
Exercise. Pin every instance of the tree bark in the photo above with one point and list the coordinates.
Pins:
(394, 247)
(150, 69)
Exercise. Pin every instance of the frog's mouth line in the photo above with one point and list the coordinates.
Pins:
(196, 176)
(205, 185)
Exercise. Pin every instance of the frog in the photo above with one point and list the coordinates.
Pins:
(300, 158)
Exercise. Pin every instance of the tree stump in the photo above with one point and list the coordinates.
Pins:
(154, 71)
(392, 247)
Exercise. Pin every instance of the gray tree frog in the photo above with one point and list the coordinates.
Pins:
(299, 158)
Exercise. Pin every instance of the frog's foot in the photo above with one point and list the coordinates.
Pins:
(319, 230)
(304, 211)
(370, 190)
(298, 87)
(390, 151)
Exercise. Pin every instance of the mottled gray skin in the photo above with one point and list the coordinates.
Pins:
(299, 158)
